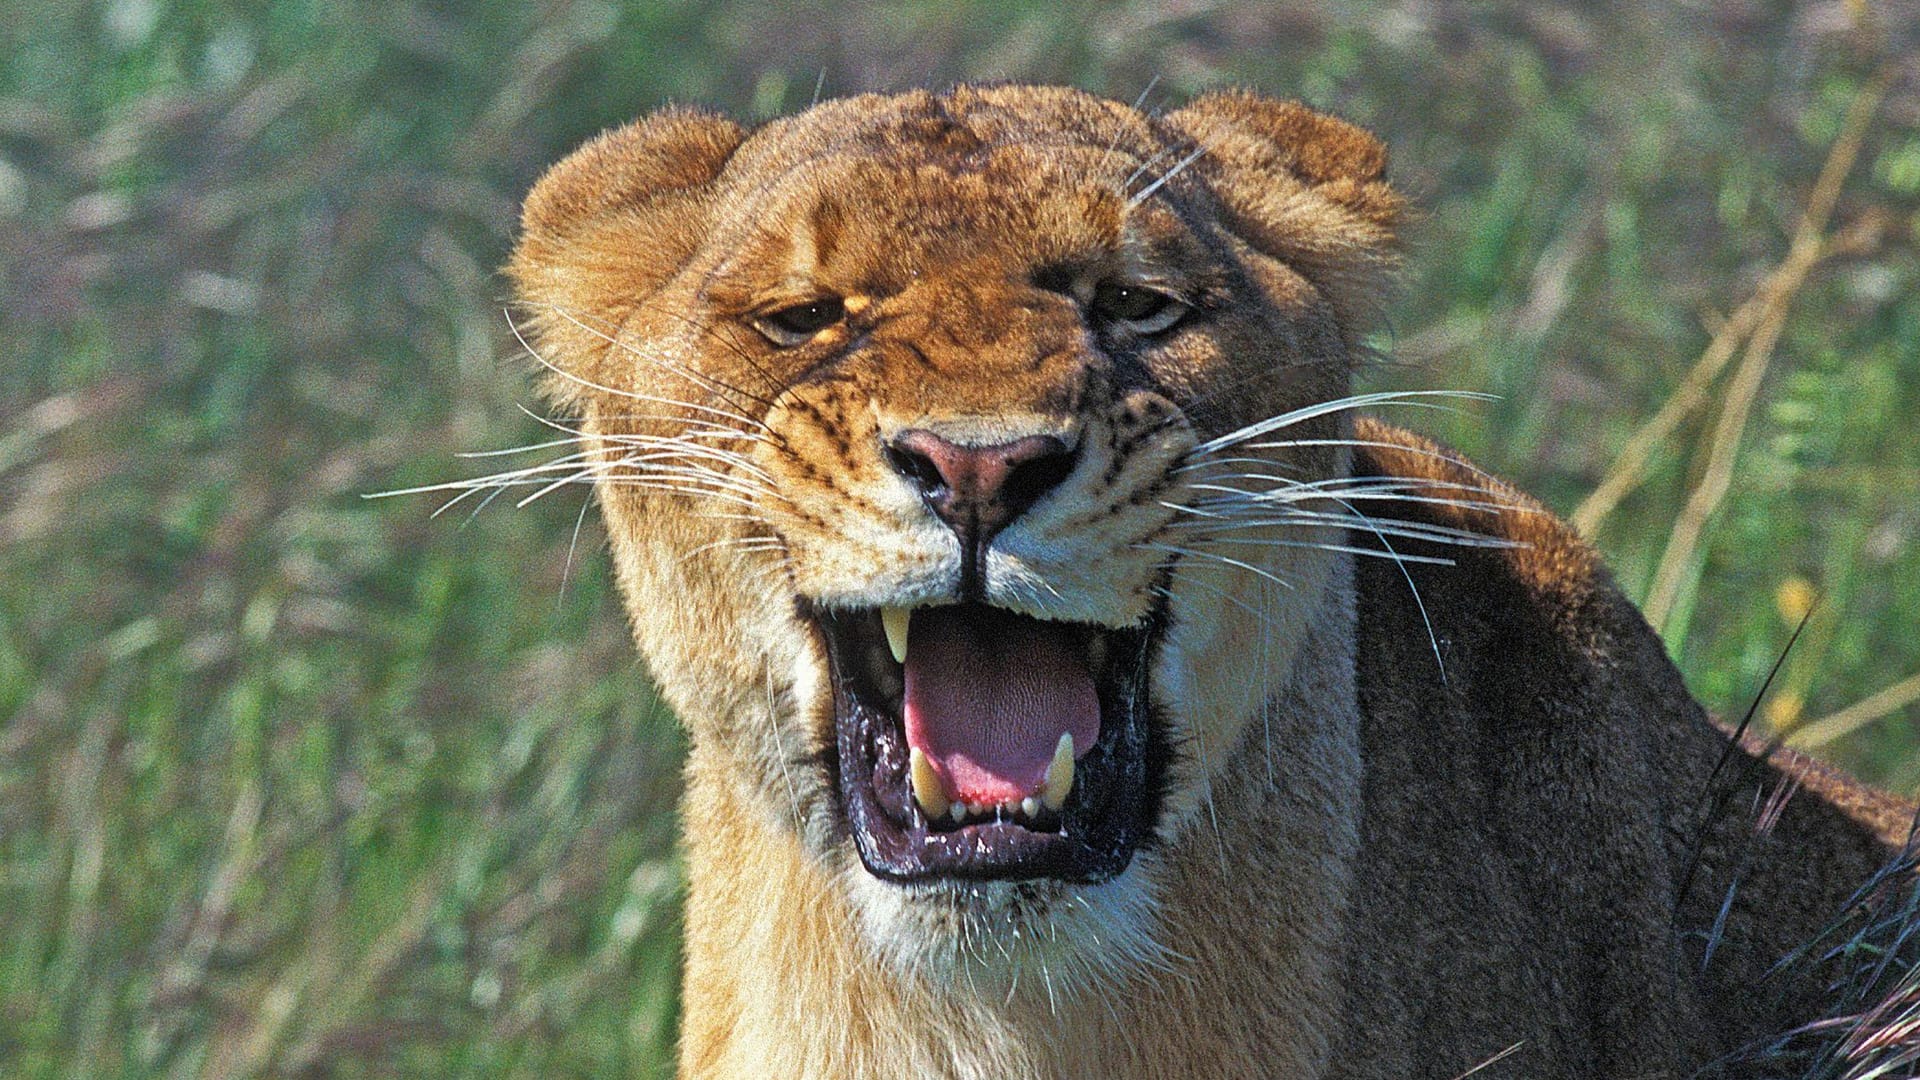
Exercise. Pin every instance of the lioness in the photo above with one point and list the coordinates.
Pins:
(1077, 686)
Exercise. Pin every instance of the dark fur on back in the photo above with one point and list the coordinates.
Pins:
(1559, 779)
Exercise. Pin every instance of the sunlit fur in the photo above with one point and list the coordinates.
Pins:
(1270, 928)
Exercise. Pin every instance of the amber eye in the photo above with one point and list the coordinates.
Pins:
(800, 322)
(1138, 308)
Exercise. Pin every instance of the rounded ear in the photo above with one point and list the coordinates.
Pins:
(608, 226)
(1341, 162)
(669, 151)
(1302, 187)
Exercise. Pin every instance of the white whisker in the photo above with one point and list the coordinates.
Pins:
(566, 572)
(708, 382)
(1209, 463)
(527, 475)
(674, 488)
(1309, 412)
(1255, 541)
(1263, 617)
(1142, 99)
(693, 427)
(1433, 640)
(740, 543)
(1142, 168)
(629, 394)
(1178, 168)
(773, 731)
(1231, 499)
(1405, 530)
(667, 450)
(528, 449)
(1217, 557)
(1377, 444)
(654, 465)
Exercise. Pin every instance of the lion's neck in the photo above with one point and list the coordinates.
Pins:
(781, 980)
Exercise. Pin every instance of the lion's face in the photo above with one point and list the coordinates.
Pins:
(928, 433)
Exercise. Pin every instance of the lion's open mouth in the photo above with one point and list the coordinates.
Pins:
(972, 742)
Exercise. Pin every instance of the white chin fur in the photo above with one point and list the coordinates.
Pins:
(1004, 938)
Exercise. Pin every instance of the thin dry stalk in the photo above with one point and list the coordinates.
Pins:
(1776, 290)
(1858, 715)
(185, 974)
(1677, 562)
(1630, 468)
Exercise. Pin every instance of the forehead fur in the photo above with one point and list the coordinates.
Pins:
(923, 125)
(1277, 169)
(1039, 169)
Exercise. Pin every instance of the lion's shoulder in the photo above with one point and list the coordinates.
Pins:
(1535, 761)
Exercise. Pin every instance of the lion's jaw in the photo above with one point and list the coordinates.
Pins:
(1269, 759)
(969, 244)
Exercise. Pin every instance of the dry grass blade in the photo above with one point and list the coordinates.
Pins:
(1631, 466)
(1810, 237)
(1775, 293)
(1858, 715)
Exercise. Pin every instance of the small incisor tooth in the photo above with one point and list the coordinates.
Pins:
(927, 790)
(1059, 781)
(894, 621)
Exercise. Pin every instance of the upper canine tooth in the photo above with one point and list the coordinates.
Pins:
(894, 620)
(1059, 781)
(927, 790)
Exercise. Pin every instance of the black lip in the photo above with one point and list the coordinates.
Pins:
(1111, 812)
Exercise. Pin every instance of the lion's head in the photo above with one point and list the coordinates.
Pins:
(972, 463)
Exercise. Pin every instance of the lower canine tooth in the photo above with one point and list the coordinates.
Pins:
(1030, 806)
(926, 784)
(1059, 781)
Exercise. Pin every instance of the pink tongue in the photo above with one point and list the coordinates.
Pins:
(989, 694)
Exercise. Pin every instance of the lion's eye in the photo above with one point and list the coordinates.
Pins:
(800, 322)
(1140, 309)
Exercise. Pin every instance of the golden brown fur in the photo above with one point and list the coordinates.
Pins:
(1391, 842)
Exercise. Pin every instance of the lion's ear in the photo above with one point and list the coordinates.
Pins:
(667, 153)
(607, 226)
(1254, 138)
(1303, 187)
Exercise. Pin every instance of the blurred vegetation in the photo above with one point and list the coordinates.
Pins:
(292, 783)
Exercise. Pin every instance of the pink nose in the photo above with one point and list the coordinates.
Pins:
(979, 490)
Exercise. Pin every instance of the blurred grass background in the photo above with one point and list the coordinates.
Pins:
(297, 784)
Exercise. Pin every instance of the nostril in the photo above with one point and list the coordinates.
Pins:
(1035, 476)
(917, 468)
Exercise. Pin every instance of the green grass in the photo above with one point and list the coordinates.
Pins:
(295, 783)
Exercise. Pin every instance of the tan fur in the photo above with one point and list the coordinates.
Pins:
(1372, 861)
